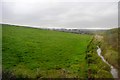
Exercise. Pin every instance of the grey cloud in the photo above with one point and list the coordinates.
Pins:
(62, 14)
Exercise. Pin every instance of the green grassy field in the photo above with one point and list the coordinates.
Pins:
(35, 53)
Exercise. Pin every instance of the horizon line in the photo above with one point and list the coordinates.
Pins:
(94, 28)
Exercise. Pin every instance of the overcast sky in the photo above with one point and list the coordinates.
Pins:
(69, 14)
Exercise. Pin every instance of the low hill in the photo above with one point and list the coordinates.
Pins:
(111, 38)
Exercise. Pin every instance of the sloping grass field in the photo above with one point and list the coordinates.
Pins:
(38, 53)
(111, 47)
